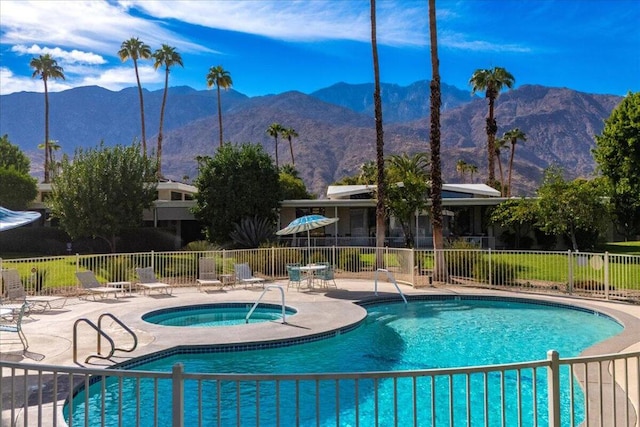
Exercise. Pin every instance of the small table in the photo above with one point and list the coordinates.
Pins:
(227, 279)
(311, 269)
(120, 285)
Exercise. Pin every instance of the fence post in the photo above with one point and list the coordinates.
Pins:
(412, 267)
(177, 395)
(490, 278)
(273, 263)
(553, 388)
(606, 275)
(153, 259)
(570, 269)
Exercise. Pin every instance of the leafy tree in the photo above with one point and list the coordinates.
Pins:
(518, 215)
(274, 130)
(103, 191)
(17, 187)
(165, 57)
(220, 78)
(237, 183)
(617, 153)
(491, 81)
(47, 68)
(513, 136)
(292, 186)
(290, 133)
(571, 208)
(135, 49)
(12, 156)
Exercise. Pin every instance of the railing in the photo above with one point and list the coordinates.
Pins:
(102, 334)
(391, 279)
(597, 275)
(481, 395)
(255, 305)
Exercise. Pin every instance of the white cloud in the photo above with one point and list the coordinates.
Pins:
(69, 57)
(10, 83)
(458, 41)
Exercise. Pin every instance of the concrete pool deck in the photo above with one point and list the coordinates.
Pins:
(50, 334)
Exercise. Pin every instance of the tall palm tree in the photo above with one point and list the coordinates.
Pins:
(136, 49)
(513, 136)
(47, 68)
(220, 78)
(472, 169)
(461, 168)
(377, 106)
(54, 145)
(167, 57)
(491, 81)
(439, 271)
(274, 130)
(290, 133)
(500, 144)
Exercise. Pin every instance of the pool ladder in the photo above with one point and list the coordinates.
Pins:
(255, 305)
(392, 279)
(101, 334)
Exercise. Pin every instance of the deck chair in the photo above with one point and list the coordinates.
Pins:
(295, 276)
(327, 275)
(94, 288)
(16, 293)
(207, 275)
(16, 326)
(149, 283)
(244, 275)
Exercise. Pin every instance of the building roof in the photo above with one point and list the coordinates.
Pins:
(475, 190)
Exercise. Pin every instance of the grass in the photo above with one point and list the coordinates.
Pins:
(626, 248)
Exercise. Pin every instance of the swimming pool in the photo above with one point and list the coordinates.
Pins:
(220, 314)
(427, 334)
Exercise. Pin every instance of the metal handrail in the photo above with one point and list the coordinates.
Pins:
(391, 278)
(100, 333)
(125, 327)
(255, 305)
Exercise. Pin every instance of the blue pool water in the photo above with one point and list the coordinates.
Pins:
(222, 314)
(422, 335)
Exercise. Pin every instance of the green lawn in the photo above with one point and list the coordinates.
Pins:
(626, 248)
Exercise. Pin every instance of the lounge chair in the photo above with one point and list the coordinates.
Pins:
(244, 275)
(327, 275)
(149, 283)
(94, 288)
(207, 275)
(17, 293)
(16, 326)
(295, 276)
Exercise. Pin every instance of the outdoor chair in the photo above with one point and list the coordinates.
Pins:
(149, 283)
(207, 275)
(295, 275)
(244, 275)
(17, 293)
(15, 326)
(327, 275)
(94, 288)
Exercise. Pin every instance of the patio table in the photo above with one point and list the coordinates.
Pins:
(310, 270)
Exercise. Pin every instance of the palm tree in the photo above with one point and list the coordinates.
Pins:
(53, 165)
(472, 169)
(439, 271)
(461, 168)
(47, 68)
(274, 130)
(492, 82)
(368, 173)
(220, 78)
(377, 105)
(290, 133)
(500, 144)
(168, 57)
(513, 136)
(136, 49)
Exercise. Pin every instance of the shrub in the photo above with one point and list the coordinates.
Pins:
(200, 246)
(462, 260)
(278, 263)
(349, 260)
(502, 273)
(118, 269)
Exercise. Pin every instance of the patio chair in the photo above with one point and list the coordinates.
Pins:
(149, 283)
(207, 275)
(327, 275)
(94, 288)
(16, 327)
(244, 275)
(295, 276)
(17, 293)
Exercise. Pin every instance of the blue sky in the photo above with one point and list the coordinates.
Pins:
(275, 46)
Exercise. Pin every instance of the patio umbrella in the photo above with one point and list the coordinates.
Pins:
(306, 223)
(11, 219)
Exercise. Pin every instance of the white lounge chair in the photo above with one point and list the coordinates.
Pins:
(90, 284)
(207, 275)
(244, 275)
(149, 283)
(17, 293)
(15, 326)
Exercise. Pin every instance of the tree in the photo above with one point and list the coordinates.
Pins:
(500, 144)
(135, 49)
(571, 209)
(47, 68)
(54, 145)
(491, 81)
(519, 215)
(103, 191)
(290, 133)
(461, 168)
(472, 169)
(220, 78)
(377, 112)
(237, 183)
(17, 187)
(274, 130)
(292, 186)
(167, 57)
(617, 153)
(513, 136)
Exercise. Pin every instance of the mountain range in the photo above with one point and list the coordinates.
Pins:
(335, 127)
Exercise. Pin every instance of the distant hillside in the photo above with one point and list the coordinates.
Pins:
(335, 125)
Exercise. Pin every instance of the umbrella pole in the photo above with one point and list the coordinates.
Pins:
(308, 247)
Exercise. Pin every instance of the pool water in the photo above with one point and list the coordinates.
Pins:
(223, 314)
(421, 335)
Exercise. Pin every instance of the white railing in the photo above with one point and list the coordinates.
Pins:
(596, 275)
(557, 390)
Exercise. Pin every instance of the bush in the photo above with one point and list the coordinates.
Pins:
(118, 269)
(278, 263)
(461, 262)
(502, 273)
(200, 246)
(349, 260)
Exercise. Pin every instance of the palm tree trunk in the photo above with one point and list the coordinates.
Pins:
(164, 101)
(513, 148)
(502, 189)
(276, 139)
(492, 129)
(46, 131)
(293, 162)
(144, 133)
(219, 115)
